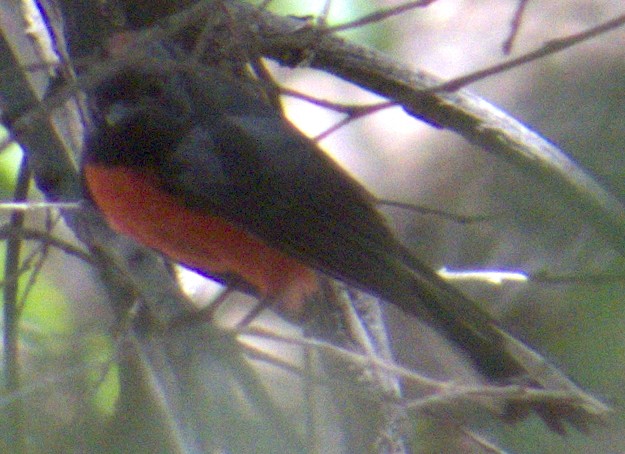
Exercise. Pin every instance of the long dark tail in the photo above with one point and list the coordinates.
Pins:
(497, 355)
(421, 292)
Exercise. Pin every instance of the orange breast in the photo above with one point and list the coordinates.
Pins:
(134, 205)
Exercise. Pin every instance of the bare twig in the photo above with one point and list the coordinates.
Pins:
(482, 442)
(31, 234)
(366, 325)
(39, 255)
(355, 115)
(447, 393)
(16, 429)
(551, 47)
(458, 218)
(353, 111)
(352, 357)
(322, 18)
(348, 109)
(515, 24)
(380, 15)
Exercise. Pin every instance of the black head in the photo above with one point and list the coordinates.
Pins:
(137, 119)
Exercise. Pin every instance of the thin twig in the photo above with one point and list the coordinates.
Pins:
(347, 355)
(515, 25)
(458, 218)
(380, 15)
(550, 47)
(16, 430)
(482, 442)
(443, 393)
(346, 108)
(322, 18)
(39, 256)
(355, 115)
(32, 234)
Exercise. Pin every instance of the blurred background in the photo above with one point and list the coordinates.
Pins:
(574, 98)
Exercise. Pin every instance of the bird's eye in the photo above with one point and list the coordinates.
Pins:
(116, 114)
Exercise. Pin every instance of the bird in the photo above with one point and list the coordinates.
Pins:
(195, 165)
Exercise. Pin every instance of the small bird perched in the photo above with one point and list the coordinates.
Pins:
(193, 165)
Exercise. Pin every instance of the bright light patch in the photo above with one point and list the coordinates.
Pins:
(493, 277)
(199, 289)
(443, 10)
